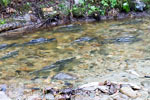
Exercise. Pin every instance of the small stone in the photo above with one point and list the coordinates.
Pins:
(129, 92)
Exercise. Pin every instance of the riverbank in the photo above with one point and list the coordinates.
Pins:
(56, 21)
(66, 12)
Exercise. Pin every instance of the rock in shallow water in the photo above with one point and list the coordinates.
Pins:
(64, 76)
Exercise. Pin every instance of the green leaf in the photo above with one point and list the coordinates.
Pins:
(5, 2)
(126, 7)
(93, 8)
(2, 22)
(81, 1)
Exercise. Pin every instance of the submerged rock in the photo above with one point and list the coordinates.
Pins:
(64, 76)
(57, 64)
(39, 40)
(69, 28)
(10, 54)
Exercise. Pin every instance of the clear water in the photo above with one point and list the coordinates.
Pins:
(117, 46)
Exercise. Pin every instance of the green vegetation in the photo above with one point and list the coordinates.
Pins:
(90, 7)
(147, 2)
(81, 9)
(2, 22)
(4, 2)
(63, 8)
(126, 7)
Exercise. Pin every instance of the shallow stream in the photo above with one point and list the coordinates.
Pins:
(86, 51)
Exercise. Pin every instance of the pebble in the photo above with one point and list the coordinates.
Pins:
(3, 96)
(129, 92)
